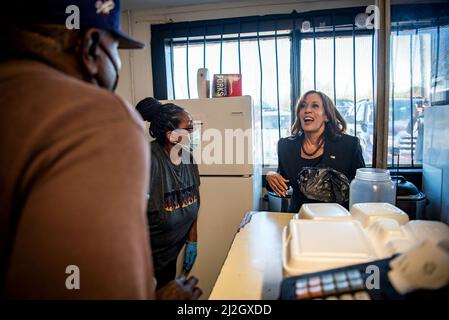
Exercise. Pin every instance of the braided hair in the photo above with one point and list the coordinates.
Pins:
(163, 117)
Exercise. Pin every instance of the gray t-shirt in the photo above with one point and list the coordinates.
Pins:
(173, 205)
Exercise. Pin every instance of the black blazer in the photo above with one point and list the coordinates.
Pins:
(343, 154)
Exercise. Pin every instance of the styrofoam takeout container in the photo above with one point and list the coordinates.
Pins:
(324, 211)
(368, 213)
(314, 245)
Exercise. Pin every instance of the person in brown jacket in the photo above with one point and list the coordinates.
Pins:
(74, 160)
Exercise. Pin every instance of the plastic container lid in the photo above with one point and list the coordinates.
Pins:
(324, 211)
(310, 245)
(405, 190)
(369, 212)
(373, 174)
(404, 187)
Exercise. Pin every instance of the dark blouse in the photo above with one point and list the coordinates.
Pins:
(343, 154)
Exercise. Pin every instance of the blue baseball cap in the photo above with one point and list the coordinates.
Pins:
(101, 14)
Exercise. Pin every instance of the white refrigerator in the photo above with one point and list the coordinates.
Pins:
(229, 157)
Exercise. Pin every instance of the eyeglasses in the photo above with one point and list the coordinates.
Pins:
(188, 129)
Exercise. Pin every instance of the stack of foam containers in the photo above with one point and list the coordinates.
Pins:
(325, 235)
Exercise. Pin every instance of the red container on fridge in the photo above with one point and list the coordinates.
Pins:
(227, 85)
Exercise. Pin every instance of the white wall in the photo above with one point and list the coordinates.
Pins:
(136, 80)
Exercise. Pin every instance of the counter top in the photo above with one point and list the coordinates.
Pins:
(253, 267)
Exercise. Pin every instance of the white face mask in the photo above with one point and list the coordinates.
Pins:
(195, 139)
(189, 141)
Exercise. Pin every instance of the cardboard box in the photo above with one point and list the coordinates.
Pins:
(227, 85)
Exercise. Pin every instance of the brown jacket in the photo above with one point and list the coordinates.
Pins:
(73, 184)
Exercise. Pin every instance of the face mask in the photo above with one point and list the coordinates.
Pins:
(182, 147)
(194, 138)
(114, 86)
(189, 141)
(185, 137)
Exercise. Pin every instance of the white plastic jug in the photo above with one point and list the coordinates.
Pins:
(372, 185)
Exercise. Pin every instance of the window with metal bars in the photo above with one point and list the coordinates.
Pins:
(282, 56)
(415, 58)
(339, 62)
(265, 77)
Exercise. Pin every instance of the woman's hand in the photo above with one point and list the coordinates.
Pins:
(180, 289)
(278, 183)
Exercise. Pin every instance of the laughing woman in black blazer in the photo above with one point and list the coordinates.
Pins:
(318, 160)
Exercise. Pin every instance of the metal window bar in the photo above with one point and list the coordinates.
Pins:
(208, 41)
(277, 76)
(221, 49)
(420, 66)
(295, 68)
(335, 61)
(437, 59)
(338, 33)
(354, 80)
(204, 46)
(261, 88)
(392, 66)
(172, 66)
(374, 102)
(187, 63)
(411, 99)
(292, 69)
(261, 36)
(398, 151)
(239, 53)
(314, 56)
(299, 67)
